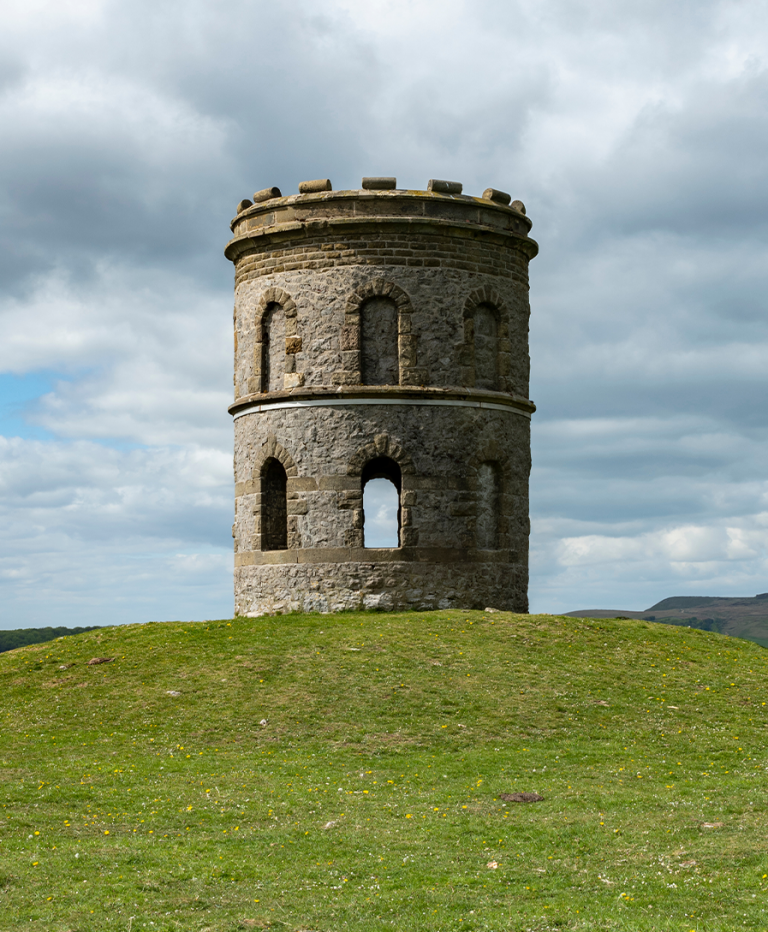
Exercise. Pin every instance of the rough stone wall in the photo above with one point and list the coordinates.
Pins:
(428, 324)
(335, 587)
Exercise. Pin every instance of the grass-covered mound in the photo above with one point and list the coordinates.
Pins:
(346, 772)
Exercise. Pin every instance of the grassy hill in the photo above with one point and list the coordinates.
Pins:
(347, 771)
(745, 617)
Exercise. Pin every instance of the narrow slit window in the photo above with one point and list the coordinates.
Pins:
(273, 349)
(488, 506)
(274, 506)
(486, 347)
(379, 361)
(381, 503)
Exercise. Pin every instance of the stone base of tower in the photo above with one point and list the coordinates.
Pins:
(388, 586)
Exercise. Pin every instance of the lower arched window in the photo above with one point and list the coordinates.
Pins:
(381, 503)
(274, 506)
(488, 506)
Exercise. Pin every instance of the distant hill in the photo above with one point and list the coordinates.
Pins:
(741, 617)
(21, 637)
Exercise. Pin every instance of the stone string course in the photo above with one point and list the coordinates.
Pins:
(320, 258)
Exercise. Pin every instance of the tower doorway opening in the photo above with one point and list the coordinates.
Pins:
(274, 506)
(381, 503)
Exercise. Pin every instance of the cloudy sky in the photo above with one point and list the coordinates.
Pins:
(635, 132)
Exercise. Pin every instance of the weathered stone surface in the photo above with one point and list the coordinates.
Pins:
(266, 194)
(312, 187)
(499, 197)
(393, 328)
(445, 187)
(379, 184)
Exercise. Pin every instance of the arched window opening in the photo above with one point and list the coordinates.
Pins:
(486, 347)
(379, 361)
(488, 506)
(274, 506)
(273, 351)
(381, 503)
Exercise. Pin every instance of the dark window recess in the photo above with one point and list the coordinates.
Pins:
(378, 335)
(488, 506)
(273, 349)
(486, 347)
(274, 506)
(381, 468)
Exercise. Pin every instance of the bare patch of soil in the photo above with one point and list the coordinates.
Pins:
(521, 797)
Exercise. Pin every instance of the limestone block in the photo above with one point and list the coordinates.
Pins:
(379, 184)
(312, 187)
(266, 194)
(293, 344)
(499, 197)
(445, 187)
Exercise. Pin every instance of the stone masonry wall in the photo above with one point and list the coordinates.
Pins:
(440, 453)
(439, 333)
(336, 587)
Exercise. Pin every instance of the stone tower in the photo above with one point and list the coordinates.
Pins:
(381, 333)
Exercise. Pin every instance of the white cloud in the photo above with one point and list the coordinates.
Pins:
(94, 535)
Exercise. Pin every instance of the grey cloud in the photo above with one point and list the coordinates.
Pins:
(695, 168)
(142, 152)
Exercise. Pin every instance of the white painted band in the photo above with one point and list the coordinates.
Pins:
(407, 402)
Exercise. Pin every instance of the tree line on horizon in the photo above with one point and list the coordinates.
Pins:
(21, 637)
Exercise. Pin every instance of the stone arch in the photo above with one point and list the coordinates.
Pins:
(491, 455)
(271, 448)
(351, 337)
(384, 447)
(381, 445)
(273, 451)
(478, 301)
(276, 298)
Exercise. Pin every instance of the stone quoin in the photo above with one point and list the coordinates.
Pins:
(381, 333)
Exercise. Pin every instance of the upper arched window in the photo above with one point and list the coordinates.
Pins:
(379, 360)
(488, 505)
(274, 506)
(486, 339)
(273, 348)
(382, 483)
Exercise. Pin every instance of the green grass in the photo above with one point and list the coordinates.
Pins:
(370, 798)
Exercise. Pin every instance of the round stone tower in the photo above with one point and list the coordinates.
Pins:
(381, 333)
